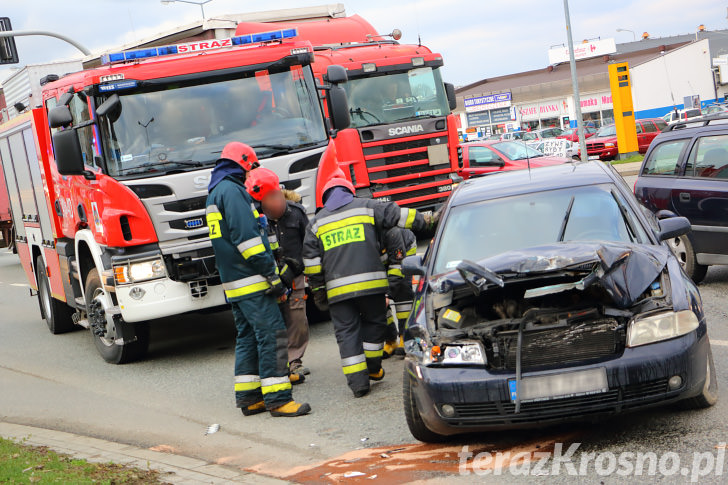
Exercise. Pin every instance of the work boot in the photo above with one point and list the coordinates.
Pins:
(296, 367)
(291, 409)
(388, 349)
(296, 378)
(400, 347)
(257, 408)
(360, 392)
(378, 376)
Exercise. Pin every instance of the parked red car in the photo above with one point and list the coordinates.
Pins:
(484, 157)
(603, 145)
(572, 134)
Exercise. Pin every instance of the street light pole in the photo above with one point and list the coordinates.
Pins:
(201, 4)
(583, 155)
(634, 36)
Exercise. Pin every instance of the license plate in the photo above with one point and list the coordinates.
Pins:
(552, 386)
(593, 157)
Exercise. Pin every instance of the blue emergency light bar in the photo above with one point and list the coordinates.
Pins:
(198, 46)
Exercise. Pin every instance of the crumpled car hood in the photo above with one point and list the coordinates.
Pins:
(625, 270)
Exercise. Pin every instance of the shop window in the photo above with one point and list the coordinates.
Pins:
(664, 158)
(709, 158)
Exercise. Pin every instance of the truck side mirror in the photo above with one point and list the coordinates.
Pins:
(110, 106)
(67, 150)
(336, 74)
(451, 98)
(59, 116)
(338, 107)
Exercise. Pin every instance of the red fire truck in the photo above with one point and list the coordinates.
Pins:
(402, 144)
(108, 179)
(6, 221)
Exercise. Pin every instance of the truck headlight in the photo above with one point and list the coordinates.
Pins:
(138, 272)
(663, 326)
(462, 353)
(609, 145)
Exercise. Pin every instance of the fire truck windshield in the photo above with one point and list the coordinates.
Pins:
(184, 126)
(389, 98)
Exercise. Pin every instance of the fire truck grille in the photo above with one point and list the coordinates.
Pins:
(186, 205)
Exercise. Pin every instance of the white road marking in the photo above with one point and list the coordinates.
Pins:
(724, 343)
(22, 285)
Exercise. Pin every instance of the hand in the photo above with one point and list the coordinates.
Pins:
(286, 273)
(320, 299)
(294, 264)
(276, 287)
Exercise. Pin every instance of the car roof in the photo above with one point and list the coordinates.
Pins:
(516, 182)
(718, 122)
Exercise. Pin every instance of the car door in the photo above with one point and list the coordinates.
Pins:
(481, 160)
(649, 132)
(700, 193)
(642, 138)
(659, 173)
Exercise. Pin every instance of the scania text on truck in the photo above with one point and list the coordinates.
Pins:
(402, 143)
(108, 179)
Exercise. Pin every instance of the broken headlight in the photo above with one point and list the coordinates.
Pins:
(461, 353)
(663, 326)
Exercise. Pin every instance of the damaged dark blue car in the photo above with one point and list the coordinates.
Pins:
(549, 295)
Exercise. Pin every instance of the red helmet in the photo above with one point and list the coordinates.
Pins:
(242, 154)
(338, 179)
(261, 181)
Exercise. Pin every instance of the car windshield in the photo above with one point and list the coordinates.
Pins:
(417, 93)
(514, 150)
(609, 130)
(187, 125)
(523, 221)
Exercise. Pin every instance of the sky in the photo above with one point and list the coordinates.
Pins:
(477, 38)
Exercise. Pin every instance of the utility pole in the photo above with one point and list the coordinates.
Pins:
(583, 155)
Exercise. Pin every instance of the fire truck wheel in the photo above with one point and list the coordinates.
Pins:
(56, 313)
(104, 337)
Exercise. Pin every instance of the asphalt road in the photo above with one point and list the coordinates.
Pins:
(185, 384)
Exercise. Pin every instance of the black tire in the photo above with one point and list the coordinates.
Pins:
(112, 353)
(682, 248)
(414, 421)
(58, 315)
(709, 395)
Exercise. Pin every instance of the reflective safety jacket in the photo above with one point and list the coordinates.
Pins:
(341, 250)
(238, 235)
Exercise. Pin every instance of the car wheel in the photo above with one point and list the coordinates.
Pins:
(682, 248)
(105, 337)
(414, 421)
(709, 395)
(58, 315)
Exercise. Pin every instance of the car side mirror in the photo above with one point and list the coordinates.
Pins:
(665, 214)
(67, 150)
(412, 265)
(336, 74)
(451, 98)
(673, 227)
(59, 116)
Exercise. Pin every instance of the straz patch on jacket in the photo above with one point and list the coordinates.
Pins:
(345, 235)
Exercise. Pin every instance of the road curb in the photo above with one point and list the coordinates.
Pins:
(173, 468)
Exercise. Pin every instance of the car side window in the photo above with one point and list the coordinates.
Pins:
(665, 158)
(481, 155)
(649, 127)
(661, 125)
(639, 128)
(709, 158)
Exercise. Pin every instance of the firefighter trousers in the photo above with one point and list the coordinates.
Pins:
(360, 325)
(294, 314)
(261, 353)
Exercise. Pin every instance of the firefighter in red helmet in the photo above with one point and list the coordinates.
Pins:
(341, 254)
(287, 222)
(252, 286)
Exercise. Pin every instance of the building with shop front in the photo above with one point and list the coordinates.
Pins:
(664, 72)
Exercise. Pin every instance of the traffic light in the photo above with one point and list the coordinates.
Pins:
(8, 51)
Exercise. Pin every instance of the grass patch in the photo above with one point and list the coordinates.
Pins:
(632, 159)
(20, 463)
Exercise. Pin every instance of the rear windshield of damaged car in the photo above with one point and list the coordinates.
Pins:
(523, 221)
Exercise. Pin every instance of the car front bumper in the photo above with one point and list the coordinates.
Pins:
(637, 379)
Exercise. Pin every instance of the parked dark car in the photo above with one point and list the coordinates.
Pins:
(685, 172)
(603, 145)
(548, 296)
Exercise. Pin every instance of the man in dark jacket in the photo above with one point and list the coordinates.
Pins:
(341, 254)
(287, 222)
(251, 283)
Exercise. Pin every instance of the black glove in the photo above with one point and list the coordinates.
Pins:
(276, 287)
(286, 273)
(294, 264)
(319, 298)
